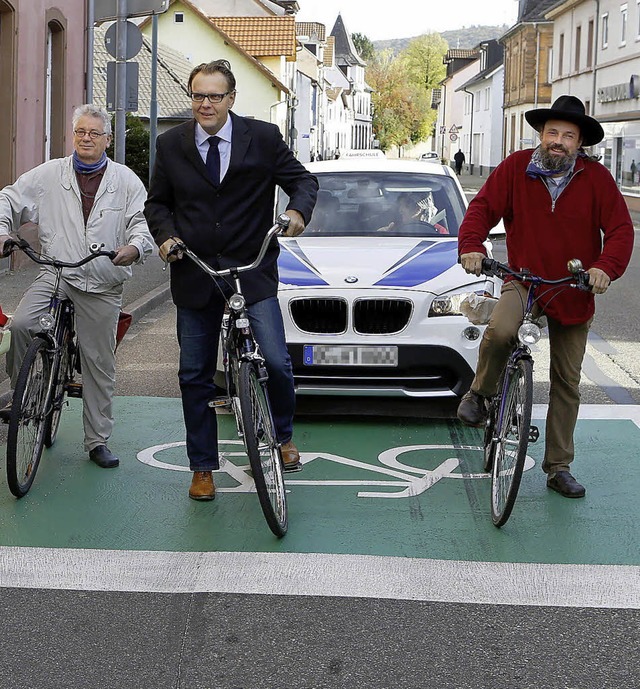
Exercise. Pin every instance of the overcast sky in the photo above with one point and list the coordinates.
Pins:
(404, 18)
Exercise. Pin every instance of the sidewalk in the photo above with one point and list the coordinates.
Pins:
(148, 288)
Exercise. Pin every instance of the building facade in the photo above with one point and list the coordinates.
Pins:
(596, 57)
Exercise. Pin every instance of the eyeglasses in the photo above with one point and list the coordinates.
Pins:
(212, 97)
(81, 133)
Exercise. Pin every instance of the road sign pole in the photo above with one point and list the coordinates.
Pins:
(121, 81)
(153, 105)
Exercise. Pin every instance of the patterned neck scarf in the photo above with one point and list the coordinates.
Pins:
(88, 168)
(537, 168)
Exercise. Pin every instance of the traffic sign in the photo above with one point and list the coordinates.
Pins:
(131, 103)
(106, 10)
(443, 130)
(453, 137)
(453, 130)
(133, 40)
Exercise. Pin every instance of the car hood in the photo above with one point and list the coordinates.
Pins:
(394, 262)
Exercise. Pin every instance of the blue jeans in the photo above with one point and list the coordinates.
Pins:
(198, 337)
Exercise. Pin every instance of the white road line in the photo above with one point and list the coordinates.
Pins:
(314, 574)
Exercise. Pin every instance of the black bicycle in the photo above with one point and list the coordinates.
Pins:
(246, 383)
(47, 375)
(508, 430)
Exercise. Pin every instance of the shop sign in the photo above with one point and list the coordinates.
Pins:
(617, 92)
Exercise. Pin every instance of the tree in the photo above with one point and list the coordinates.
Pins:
(136, 149)
(364, 47)
(422, 60)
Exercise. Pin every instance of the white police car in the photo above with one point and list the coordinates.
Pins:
(370, 293)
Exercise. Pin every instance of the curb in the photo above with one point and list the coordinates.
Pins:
(138, 309)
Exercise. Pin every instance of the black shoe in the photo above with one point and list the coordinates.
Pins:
(472, 410)
(103, 457)
(562, 482)
(5, 413)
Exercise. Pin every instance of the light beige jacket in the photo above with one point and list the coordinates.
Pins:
(49, 196)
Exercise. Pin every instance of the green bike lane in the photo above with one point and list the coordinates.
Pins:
(401, 504)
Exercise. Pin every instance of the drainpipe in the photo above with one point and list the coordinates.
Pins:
(444, 113)
(471, 131)
(595, 60)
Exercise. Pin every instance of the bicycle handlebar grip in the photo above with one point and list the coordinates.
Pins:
(8, 247)
(489, 266)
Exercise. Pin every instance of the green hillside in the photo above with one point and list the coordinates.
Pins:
(466, 37)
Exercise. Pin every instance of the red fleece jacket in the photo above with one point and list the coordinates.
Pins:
(589, 221)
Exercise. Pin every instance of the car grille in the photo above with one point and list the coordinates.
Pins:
(370, 316)
(381, 316)
(320, 315)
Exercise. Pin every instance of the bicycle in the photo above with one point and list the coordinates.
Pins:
(246, 383)
(508, 430)
(47, 375)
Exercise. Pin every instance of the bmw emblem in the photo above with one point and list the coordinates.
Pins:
(351, 279)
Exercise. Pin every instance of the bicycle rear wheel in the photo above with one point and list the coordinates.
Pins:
(62, 375)
(25, 437)
(512, 439)
(262, 447)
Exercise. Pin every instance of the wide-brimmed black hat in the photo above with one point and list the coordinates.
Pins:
(569, 109)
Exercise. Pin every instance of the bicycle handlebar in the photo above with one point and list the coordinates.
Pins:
(24, 246)
(281, 224)
(578, 276)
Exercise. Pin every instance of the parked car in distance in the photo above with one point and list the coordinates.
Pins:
(430, 156)
(371, 291)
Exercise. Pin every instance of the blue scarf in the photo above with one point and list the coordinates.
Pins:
(88, 168)
(537, 168)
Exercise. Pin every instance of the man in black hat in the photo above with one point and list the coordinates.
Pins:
(557, 203)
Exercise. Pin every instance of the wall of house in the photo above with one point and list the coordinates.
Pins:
(36, 113)
(199, 42)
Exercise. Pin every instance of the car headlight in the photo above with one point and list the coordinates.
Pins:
(449, 304)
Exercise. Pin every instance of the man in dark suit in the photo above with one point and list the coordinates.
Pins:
(213, 188)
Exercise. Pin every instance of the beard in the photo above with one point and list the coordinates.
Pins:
(557, 162)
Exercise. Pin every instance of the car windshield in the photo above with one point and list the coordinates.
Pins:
(401, 204)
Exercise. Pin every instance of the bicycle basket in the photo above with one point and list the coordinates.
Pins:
(124, 323)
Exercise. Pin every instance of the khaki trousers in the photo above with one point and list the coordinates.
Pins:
(567, 348)
(96, 321)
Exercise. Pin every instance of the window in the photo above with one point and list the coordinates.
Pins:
(561, 55)
(638, 20)
(590, 44)
(178, 17)
(550, 66)
(576, 65)
(623, 24)
(605, 30)
(587, 107)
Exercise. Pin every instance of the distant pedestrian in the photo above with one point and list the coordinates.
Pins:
(459, 161)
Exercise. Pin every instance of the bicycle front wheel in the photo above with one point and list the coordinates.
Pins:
(25, 437)
(262, 447)
(61, 377)
(512, 439)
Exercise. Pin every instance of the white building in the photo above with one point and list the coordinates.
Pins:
(596, 57)
(481, 134)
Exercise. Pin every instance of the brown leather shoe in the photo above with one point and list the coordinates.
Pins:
(472, 410)
(290, 457)
(202, 486)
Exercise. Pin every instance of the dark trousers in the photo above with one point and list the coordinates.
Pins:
(198, 337)
(567, 346)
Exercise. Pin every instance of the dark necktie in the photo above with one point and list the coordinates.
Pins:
(213, 159)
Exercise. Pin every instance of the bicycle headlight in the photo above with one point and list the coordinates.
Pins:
(529, 333)
(236, 302)
(46, 321)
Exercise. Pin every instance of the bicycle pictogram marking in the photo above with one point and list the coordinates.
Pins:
(409, 480)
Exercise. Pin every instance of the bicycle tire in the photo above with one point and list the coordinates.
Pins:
(25, 437)
(512, 440)
(262, 447)
(489, 434)
(61, 377)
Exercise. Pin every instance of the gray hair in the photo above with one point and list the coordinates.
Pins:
(92, 111)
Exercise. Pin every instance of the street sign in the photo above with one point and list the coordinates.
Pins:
(131, 103)
(133, 40)
(443, 130)
(106, 10)
(453, 137)
(453, 130)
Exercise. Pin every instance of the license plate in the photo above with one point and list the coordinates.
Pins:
(349, 355)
